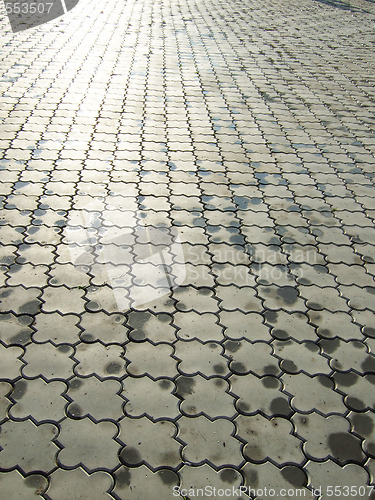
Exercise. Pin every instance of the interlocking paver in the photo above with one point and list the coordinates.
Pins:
(187, 251)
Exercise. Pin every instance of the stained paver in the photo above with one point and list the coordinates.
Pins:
(187, 251)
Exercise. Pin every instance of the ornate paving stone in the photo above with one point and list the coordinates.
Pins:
(154, 360)
(268, 438)
(203, 327)
(209, 397)
(108, 329)
(328, 438)
(335, 324)
(49, 361)
(147, 397)
(10, 362)
(260, 479)
(63, 300)
(313, 393)
(152, 443)
(15, 329)
(345, 356)
(292, 353)
(255, 357)
(96, 358)
(241, 325)
(196, 357)
(93, 485)
(80, 448)
(57, 328)
(99, 399)
(325, 474)
(287, 325)
(140, 482)
(19, 300)
(39, 400)
(259, 394)
(222, 447)
(29, 446)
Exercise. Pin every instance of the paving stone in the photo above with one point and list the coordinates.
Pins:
(255, 357)
(205, 396)
(268, 438)
(244, 325)
(19, 300)
(261, 479)
(93, 485)
(304, 356)
(15, 329)
(197, 357)
(57, 328)
(79, 447)
(29, 403)
(216, 434)
(351, 355)
(150, 398)
(5, 389)
(313, 393)
(108, 329)
(328, 438)
(203, 327)
(357, 390)
(62, 300)
(99, 399)
(154, 360)
(152, 443)
(325, 474)
(286, 325)
(49, 361)
(106, 361)
(140, 482)
(334, 324)
(30, 447)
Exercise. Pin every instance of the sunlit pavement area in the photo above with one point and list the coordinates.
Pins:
(188, 251)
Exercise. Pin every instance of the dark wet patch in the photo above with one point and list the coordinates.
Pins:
(270, 382)
(280, 406)
(254, 452)
(25, 320)
(185, 385)
(168, 477)
(232, 346)
(244, 407)
(280, 334)
(325, 381)
(204, 291)
(252, 478)
(355, 404)
(213, 345)
(19, 390)
(289, 294)
(237, 367)
(370, 289)
(74, 411)
(93, 306)
(113, 368)
(271, 369)
(362, 424)
(368, 365)
(345, 379)
(219, 369)
(137, 335)
(310, 346)
(164, 318)
(371, 379)
(370, 332)
(289, 366)
(87, 337)
(345, 447)
(21, 338)
(123, 476)
(5, 294)
(228, 475)
(130, 456)
(75, 384)
(64, 348)
(31, 307)
(219, 382)
(295, 476)
(165, 384)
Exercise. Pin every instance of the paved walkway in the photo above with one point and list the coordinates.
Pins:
(188, 251)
